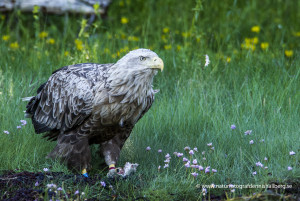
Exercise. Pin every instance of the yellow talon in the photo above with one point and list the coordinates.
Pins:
(83, 171)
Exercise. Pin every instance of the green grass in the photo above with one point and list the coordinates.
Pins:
(257, 90)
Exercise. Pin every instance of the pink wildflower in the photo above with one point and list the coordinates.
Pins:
(148, 148)
(195, 174)
(179, 155)
(259, 164)
(248, 132)
(290, 168)
(159, 151)
(207, 169)
(6, 132)
(185, 159)
(292, 153)
(233, 127)
(191, 152)
(214, 170)
(200, 168)
(195, 161)
(209, 144)
(103, 183)
(187, 165)
(251, 142)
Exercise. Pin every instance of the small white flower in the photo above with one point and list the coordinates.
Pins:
(254, 173)
(289, 168)
(187, 148)
(46, 169)
(207, 61)
(292, 153)
(265, 158)
(251, 142)
(209, 144)
(6, 132)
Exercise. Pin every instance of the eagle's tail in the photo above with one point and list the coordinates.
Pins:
(27, 98)
(27, 115)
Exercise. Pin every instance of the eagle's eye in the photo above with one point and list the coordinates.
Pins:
(142, 58)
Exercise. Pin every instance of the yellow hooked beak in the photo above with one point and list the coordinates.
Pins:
(158, 63)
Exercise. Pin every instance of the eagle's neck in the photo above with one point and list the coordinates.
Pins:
(130, 84)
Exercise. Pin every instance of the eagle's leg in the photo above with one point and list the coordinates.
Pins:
(74, 151)
(111, 151)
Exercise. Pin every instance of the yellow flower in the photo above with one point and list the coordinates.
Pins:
(79, 45)
(124, 20)
(164, 38)
(5, 37)
(297, 34)
(133, 38)
(167, 47)
(113, 56)
(51, 41)
(14, 45)
(178, 47)
(66, 53)
(255, 29)
(2, 17)
(166, 30)
(185, 34)
(121, 3)
(36, 9)
(264, 45)
(228, 59)
(247, 40)
(248, 46)
(43, 34)
(255, 40)
(288, 53)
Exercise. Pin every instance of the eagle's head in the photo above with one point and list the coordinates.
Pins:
(141, 60)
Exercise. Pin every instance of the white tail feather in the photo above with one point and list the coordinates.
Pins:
(27, 98)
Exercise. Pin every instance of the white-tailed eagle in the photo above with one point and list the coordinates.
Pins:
(91, 103)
